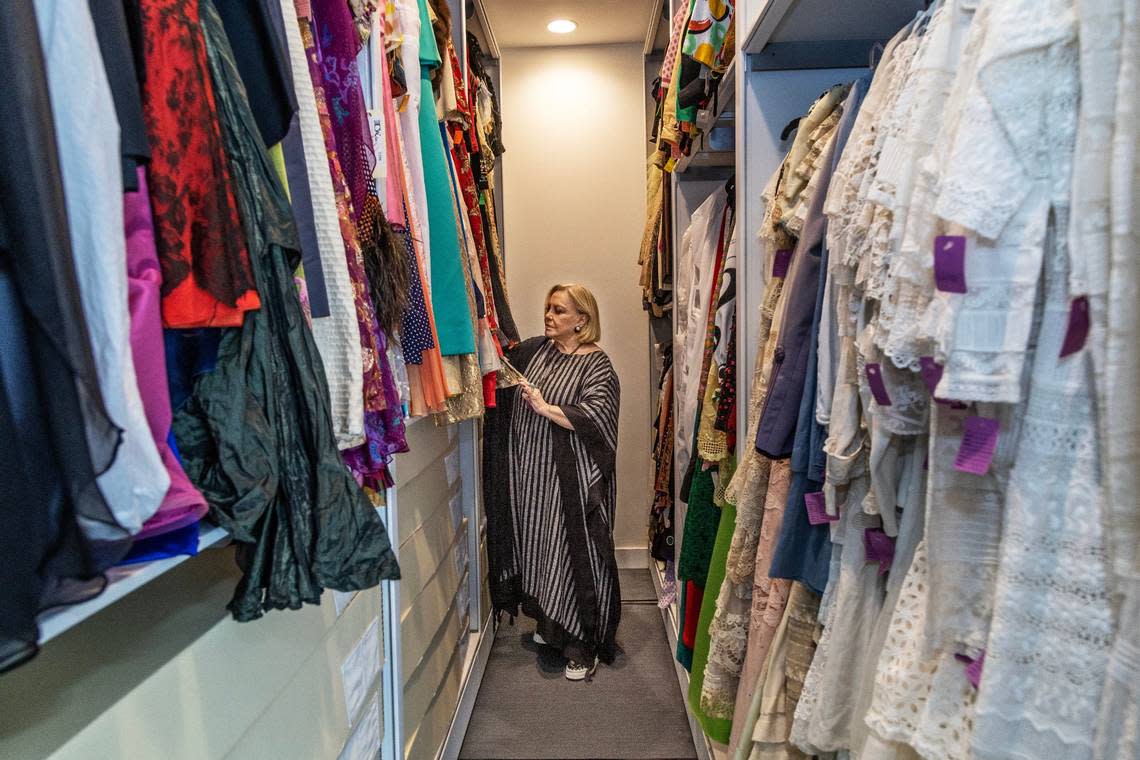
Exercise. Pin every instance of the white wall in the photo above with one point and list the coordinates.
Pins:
(574, 195)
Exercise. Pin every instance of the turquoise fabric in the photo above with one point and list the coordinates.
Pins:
(448, 282)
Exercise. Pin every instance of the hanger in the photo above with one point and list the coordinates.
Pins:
(875, 55)
(790, 127)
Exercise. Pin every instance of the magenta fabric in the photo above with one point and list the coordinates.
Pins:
(183, 504)
(384, 432)
(337, 45)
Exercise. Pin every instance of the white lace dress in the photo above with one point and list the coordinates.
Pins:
(1048, 649)
(1118, 730)
(1009, 164)
(921, 704)
(1049, 641)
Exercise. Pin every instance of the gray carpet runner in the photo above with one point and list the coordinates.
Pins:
(527, 710)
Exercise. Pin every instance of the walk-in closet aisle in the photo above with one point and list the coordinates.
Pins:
(526, 709)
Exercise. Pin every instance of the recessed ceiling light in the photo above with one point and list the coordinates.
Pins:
(562, 26)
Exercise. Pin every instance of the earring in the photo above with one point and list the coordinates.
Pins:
(577, 328)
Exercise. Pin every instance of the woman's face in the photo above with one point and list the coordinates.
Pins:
(562, 316)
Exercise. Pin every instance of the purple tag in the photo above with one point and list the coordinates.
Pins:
(931, 372)
(878, 387)
(974, 670)
(973, 667)
(1078, 330)
(950, 263)
(781, 261)
(878, 547)
(979, 442)
(817, 509)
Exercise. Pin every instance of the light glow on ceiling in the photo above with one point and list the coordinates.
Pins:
(562, 26)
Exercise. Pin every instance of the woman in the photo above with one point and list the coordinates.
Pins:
(550, 486)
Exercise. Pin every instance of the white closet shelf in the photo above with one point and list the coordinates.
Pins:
(120, 582)
(813, 34)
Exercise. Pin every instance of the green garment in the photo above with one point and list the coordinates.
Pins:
(718, 729)
(256, 434)
(709, 22)
(701, 520)
(448, 284)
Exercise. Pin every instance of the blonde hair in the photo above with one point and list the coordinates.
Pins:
(585, 303)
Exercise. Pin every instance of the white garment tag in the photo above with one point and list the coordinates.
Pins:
(360, 670)
(380, 171)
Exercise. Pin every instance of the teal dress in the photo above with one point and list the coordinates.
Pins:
(448, 284)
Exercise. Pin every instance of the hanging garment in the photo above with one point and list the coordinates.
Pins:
(781, 678)
(263, 61)
(550, 501)
(413, 152)
(769, 600)
(338, 46)
(1117, 733)
(1047, 652)
(448, 285)
(426, 373)
(365, 315)
(183, 505)
(337, 334)
(340, 105)
(712, 707)
(90, 164)
(257, 436)
(206, 277)
(709, 25)
(921, 704)
(696, 274)
(119, 64)
(58, 443)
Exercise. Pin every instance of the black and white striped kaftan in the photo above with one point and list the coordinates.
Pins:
(550, 495)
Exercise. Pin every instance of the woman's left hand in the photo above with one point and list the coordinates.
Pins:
(533, 396)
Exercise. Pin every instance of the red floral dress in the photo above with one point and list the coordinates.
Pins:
(206, 277)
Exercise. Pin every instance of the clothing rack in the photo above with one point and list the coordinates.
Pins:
(787, 51)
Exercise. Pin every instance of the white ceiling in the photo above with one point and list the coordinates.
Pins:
(522, 23)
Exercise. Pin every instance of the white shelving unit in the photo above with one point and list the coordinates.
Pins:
(122, 581)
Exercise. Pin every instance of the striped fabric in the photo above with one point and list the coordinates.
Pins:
(563, 492)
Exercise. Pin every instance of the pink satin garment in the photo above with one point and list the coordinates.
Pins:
(183, 503)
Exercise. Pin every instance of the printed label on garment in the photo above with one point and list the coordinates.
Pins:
(781, 262)
(878, 387)
(979, 442)
(817, 509)
(1078, 330)
(380, 169)
(950, 263)
(878, 547)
